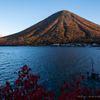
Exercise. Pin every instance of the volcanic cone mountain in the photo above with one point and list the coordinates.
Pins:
(61, 27)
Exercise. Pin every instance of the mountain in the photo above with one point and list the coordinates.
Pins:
(61, 27)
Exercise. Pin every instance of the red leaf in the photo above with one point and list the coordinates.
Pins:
(64, 81)
(7, 83)
(24, 67)
(90, 88)
(29, 69)
(39, 76)
(18, 72)
(66, 85)
(15, 72)
(58, 86)
(50, 99)
(62, 89)
(82, 77)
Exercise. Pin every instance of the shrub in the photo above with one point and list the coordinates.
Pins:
(74, 91)
(27, 88)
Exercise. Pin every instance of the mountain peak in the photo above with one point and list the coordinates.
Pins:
(64, 12)
(61, 27)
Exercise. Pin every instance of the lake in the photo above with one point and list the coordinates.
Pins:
(53, 63)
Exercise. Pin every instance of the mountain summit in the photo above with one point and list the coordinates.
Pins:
(61, 27)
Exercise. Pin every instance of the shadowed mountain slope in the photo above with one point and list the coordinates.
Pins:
(61, 27)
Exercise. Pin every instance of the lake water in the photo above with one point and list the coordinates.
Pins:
(53, 63)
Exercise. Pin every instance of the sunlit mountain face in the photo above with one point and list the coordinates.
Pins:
(61, 27)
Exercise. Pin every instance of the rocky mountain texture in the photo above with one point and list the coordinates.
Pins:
(61, 27)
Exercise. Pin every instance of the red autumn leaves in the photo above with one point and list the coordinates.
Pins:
(27, 88)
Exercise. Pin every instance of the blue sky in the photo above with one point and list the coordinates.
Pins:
(17, 15)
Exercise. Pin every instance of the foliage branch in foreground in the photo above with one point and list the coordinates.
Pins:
(27, 88)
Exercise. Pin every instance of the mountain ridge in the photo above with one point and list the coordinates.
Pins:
(61, 27)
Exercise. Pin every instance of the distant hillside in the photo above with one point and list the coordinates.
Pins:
(61, 27)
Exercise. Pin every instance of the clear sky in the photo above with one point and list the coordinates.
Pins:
(17, 15)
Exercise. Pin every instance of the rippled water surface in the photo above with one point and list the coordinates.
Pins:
(53, 63)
